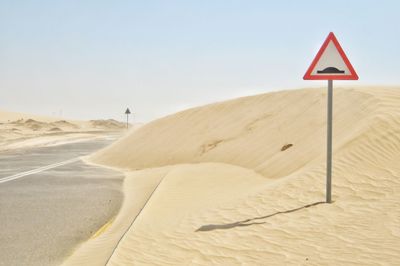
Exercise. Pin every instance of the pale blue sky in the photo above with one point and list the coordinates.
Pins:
(92, 59)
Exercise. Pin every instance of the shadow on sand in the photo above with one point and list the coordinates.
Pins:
(252, 221)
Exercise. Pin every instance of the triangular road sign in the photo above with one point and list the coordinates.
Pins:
(331, 63)
(127, 111)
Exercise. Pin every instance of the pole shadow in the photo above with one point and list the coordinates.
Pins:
(252, 221)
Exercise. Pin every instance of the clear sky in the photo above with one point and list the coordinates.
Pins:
(92, 59)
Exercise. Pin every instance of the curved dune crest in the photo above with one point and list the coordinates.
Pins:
(249, 132)
(242, 183)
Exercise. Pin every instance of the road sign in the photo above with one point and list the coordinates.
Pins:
(331, 63)
(127, 112)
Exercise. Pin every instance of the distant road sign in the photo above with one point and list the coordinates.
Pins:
(127, 112)
(331, 63)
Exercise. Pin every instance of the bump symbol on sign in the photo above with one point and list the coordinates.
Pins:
(330, 70)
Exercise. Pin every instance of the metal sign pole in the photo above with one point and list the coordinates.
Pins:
(329, 145)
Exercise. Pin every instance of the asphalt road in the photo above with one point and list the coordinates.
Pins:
(50, 201)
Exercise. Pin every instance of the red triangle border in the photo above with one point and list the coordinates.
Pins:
(353, 75)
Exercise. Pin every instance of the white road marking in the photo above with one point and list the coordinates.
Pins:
(37, 170)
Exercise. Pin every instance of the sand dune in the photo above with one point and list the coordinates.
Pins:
(7, 116)
(107, 124)
(22, 130)
(242, 183)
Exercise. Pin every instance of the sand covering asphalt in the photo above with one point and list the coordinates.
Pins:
(225, 192)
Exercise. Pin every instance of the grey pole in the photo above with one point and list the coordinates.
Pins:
(329, 145)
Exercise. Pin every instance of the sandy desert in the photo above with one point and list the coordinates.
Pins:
(19, 130)
(204, 133)
(242, 182)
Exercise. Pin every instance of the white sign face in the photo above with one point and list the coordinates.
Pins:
(331, 62)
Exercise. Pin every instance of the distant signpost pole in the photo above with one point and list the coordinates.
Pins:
(127, 112)
(330, 63)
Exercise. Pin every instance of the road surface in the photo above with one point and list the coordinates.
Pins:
(50, 201)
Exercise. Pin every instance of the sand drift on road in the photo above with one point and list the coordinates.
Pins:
(242, 182)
